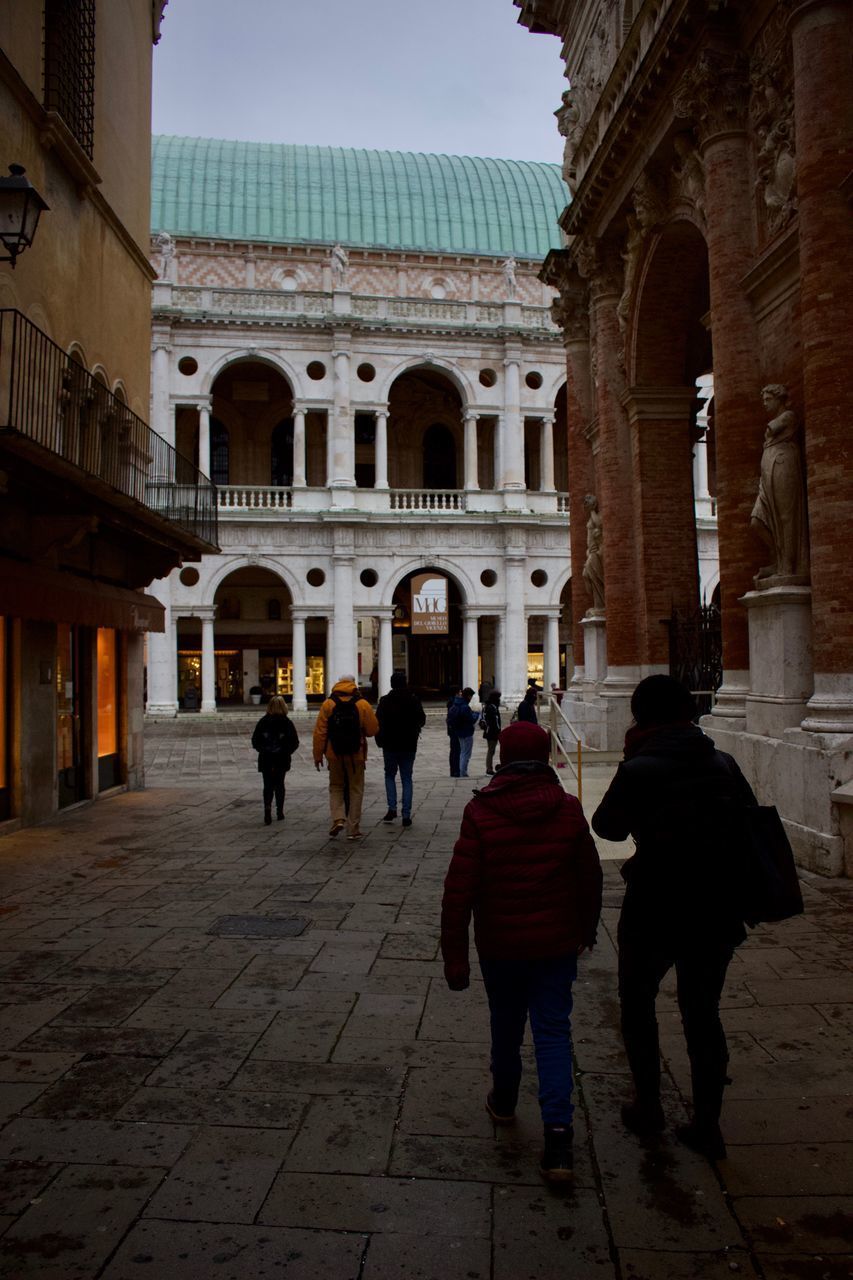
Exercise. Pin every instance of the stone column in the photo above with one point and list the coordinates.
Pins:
(299, 660)
(204, 437)
(386, 652)
(500, 652)
(512, 427)
(342, 432)
(208, 663)
(546, 456)
(381, 446)
(162, 419)
(345, 646)
(714, 94)
(823, 112)
(162, 650)
(470, 650)
(551, 653)
(330, 673)
(472, 480)
(299, 480)
(515, 635)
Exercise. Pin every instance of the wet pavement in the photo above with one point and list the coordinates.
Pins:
(227, 1050)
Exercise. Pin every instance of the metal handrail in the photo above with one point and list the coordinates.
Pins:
(574, 758)
(50, 398)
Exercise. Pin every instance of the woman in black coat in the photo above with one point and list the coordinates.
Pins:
(275, 739)
(492, 730)
(671, 794)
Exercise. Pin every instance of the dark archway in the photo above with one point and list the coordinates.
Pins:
(425, 444)
(439, 458)
(281, 454)
(433, 663)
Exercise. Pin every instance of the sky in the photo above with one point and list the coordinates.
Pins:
(454, 76)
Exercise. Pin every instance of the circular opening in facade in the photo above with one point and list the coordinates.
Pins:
(189, 577)
(438, 291)
(315, 577)
(368, 577)
(187, 366)
(534, 380)
(539, 577)
(488, 577)
(289, 284)
(316, 370)
(366, 372)
(488, 377)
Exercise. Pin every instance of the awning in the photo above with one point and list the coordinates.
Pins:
(47, 595)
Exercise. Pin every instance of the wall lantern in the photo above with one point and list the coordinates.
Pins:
(20, 209)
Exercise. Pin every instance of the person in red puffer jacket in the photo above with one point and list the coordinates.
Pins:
(526, 866)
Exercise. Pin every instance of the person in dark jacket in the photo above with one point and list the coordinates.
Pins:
(401, 718)
(527, 707)
(492, 731)
(461, 723)
(275, 739)
(671, 793)
(526, 866)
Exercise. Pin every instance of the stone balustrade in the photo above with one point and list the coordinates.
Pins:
(266, 501)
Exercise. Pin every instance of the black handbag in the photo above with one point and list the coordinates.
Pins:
(770, 887)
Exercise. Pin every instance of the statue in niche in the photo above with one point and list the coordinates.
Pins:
(569, 127)
(510, 281)
(689, 173)
(593, 569)
(779, 514)
(339, 259)
(631, 258)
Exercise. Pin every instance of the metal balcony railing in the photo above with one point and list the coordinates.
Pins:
(50, 398)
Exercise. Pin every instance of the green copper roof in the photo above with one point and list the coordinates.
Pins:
(375, 199)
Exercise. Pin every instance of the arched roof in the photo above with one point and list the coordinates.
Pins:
(293, 194)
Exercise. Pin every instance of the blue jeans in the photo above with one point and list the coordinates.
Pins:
(466, 746)
(542, 989)
(404, 761)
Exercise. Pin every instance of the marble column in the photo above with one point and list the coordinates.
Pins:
(546, 456)
(500, 653)
(299, 480)
(345, 646)
(299, 661)
(162, 648)
(329, 673)
(386, 652)
(470, 650)
(551, 653)
(342, 429)
(208, 664)
(381, 446)
(512, 427)
(204, 438)
(515, 635)
(472, 480)
(162, 419)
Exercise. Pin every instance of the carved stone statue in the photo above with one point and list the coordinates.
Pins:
(593, 569)
(569, 126)
(510, 281)
(689, 173)
(779, 514)
(777, 173)
(339, 259)
(166, 246)
(631, 257)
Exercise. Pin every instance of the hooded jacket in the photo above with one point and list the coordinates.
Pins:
(674, 793)
(526, 866)
(401, 718)
(345, 689)
(461, 720)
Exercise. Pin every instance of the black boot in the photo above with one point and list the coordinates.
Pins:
(279, 813)
(267, 815)
(643, 1116)
(557, 1163)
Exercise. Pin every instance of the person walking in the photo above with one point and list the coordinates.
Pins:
(527, 868)
(491, 719)
(671, 793)
(275, 739)
(452, 734)
(461, 723)
(344, 723)
(401, 718)
(527, 707)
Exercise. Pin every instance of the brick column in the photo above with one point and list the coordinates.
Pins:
(664, 513)
(715, 95)
(823, 118)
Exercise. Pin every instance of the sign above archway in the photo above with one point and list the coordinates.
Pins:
(429, 605)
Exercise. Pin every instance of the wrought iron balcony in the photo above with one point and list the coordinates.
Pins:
(49, 398)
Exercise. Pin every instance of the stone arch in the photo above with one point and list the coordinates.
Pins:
(391, 579)
(460, 380)
(234, 563)
(252, 356)
(668, 343)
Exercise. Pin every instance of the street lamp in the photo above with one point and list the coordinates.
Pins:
(20, 209)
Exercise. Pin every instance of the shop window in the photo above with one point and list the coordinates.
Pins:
(108, 708)
(281, 461)
(219, 452)
(69, 66)
(5, 781)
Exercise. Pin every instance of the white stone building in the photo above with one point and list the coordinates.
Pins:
(357, 349)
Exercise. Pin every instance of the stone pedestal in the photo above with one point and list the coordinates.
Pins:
(594, 646)
(780, 659)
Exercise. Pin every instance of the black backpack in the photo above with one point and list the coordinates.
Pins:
(344, 727)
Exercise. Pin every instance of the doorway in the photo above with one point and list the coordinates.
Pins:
(70, 725)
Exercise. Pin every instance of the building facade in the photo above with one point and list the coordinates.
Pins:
(92, 504)
(708, 150)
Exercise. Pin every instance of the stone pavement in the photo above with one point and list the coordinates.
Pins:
(227, 1050)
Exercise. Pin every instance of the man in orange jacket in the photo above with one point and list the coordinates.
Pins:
(344, 723)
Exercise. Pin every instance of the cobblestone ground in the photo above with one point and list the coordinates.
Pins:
(227, 1050)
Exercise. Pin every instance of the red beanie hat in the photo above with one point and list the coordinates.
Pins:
(524, 741)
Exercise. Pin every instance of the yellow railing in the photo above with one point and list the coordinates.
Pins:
(571, 755)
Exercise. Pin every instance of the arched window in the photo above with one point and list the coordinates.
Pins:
(439, 450)
(281, 454)
(219, 452)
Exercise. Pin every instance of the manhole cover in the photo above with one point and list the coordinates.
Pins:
(258, 926)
